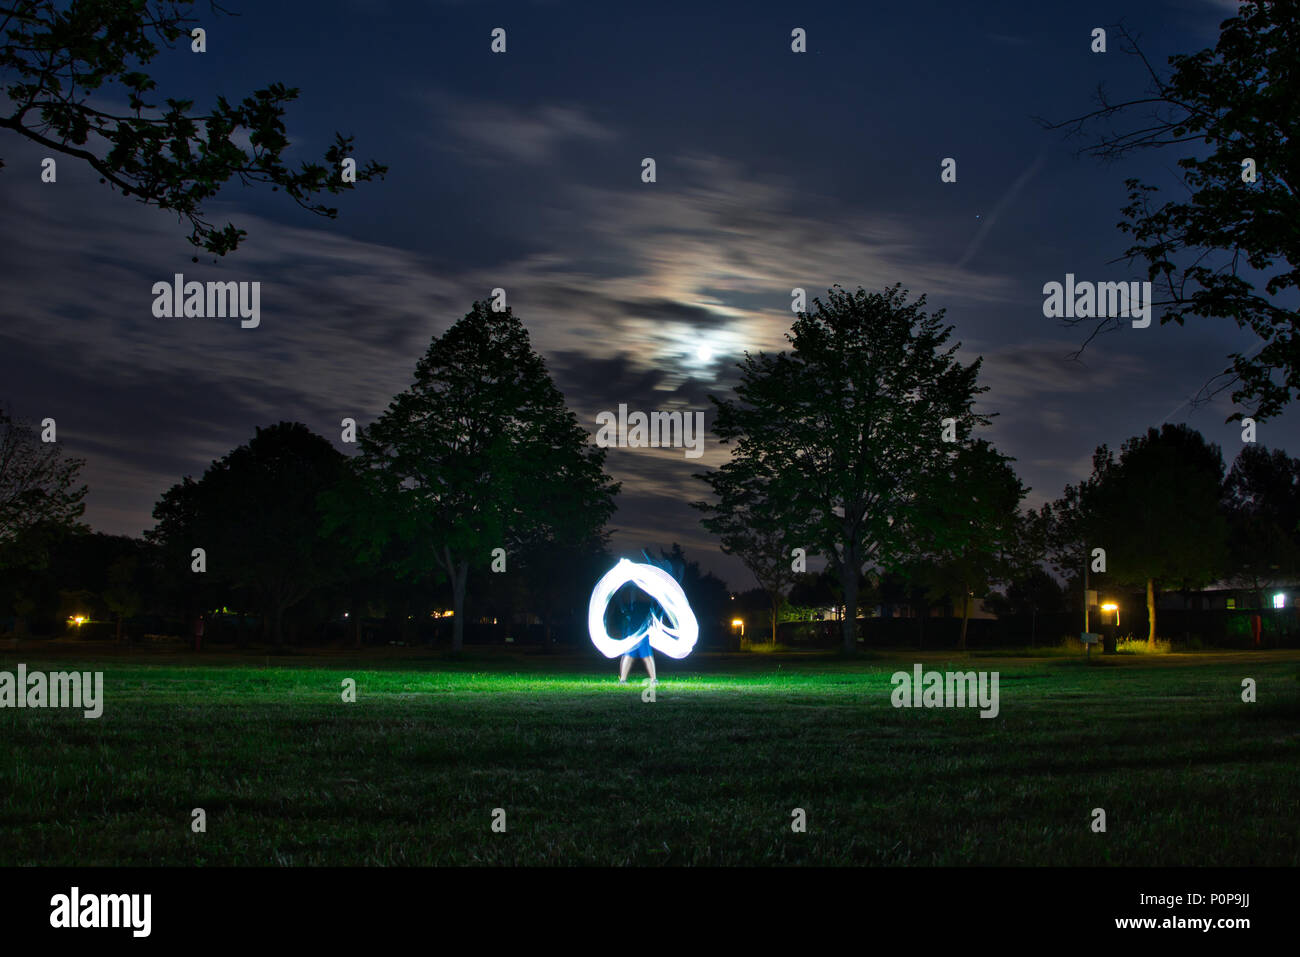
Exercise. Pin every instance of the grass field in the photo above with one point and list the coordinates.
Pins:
(709, 773)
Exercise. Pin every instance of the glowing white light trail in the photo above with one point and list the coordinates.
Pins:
(675, 639)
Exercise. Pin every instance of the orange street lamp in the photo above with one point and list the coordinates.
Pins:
(1111, 606)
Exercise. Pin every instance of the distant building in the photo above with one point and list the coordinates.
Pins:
(900, 610)
(1233, 595)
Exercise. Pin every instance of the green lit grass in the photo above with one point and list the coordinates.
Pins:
(708, 774)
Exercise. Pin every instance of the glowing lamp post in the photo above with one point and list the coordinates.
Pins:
(675, 638)
(1111, 606)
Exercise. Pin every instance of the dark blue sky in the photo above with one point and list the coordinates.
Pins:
(522, 171)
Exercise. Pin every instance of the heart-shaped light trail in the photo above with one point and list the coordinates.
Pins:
(675, 639)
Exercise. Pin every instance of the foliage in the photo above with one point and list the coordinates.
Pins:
(1223, 248)
(64, 63)
(845, 429)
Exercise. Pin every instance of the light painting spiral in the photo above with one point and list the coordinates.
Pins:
(675, 638)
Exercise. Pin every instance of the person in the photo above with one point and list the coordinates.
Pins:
(642, 649)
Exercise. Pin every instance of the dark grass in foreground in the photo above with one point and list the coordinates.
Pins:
(708, 774)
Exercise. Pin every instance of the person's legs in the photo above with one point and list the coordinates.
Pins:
(650, 667)
(624, 666)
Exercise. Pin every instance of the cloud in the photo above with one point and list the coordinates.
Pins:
(1031, 370)
(629, 286)
(708, 256)
(527, 135)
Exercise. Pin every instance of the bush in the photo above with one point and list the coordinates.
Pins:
(1129, 645)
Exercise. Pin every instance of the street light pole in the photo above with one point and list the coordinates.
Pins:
(1085, 587)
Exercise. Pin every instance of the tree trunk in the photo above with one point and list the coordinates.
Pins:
(849, 578)
(776, 611)
(404, 627)
(458, 606)
(1151, 612)
(965, 617)
(277, 627)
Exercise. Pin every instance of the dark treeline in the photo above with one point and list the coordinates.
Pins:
(476, 508)
(858, 445)
(1170, 520)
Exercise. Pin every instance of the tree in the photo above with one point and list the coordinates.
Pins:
(1029, 545)
(1155, 510)
(920, 584)
(174, 537)
(848, 427)
(39, 495)
(480, 453)
(743, 519)
(1033, 593)
(1030, 588)
(101, 572)
(705, 592)
(63, 63)
(966, 523)
(256, 513)
(1240, 99)
(1262, 499)
(818, 590)
(122, 596)
(556, 583)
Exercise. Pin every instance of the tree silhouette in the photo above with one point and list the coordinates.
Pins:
(705, 592)
(744, 520)
(1262, 497)
(1228, 249)
(61, 65)
(967, 523)
(847, 427)
(1031, 589)
(1155, 510)
(256, 513)
(122, 595)
(39, 495)
(480, 453)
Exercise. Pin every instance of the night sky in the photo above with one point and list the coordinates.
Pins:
(522, 170)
